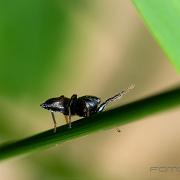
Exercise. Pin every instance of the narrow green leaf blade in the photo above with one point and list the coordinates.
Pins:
(109, 119)
(163, 19)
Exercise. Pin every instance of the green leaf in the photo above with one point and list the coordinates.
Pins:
(31, 35)
(163, 19)
(109, 119)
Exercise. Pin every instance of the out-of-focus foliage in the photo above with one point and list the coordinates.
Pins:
(162, 17)
(31, 35)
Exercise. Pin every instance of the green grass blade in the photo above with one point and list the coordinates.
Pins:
(109, 119)
(163, 19)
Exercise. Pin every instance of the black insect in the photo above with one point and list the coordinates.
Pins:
(84, 106)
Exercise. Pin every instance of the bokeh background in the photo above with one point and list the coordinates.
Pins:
(49, 48)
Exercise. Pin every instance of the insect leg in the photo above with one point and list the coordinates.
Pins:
(69, 116)
(54, 121)
(116, 97)
(73, 98)
(87, 112)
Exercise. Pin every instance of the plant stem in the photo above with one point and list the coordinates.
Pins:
(109, 119)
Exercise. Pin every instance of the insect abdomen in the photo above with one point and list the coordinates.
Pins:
(87, 105)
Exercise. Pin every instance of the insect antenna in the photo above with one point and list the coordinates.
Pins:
(116, 97)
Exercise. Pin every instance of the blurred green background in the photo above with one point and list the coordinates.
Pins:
(49, 48)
